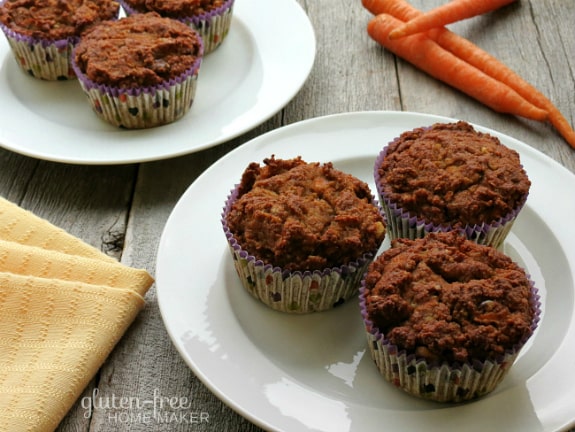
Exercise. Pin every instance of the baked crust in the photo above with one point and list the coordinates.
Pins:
(55, 19)
(141, 50)
(176, 9)
(450, 174)
(304, 216)
(446, 298)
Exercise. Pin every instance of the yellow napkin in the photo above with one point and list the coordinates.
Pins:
(63, 307)
(24, 227)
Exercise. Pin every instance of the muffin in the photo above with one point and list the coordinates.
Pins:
(139, 71)
(450, 176)
(446, 317)
(210, 18)
(42, 33)
(301, 234)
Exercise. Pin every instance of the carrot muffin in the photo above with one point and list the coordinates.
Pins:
(301, 234)
(210, 18)
(446, 317)
(140, 71)
(450, 176)
(42, 33)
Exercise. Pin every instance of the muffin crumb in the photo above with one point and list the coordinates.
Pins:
(451, 174)
(446, 298)
(138, 51)
(304, 216)
(55, 19)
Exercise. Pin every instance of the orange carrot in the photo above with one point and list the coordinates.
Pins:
(427, 55)
(472, 54)
(400, 9)
(475, 56)
(447, 13)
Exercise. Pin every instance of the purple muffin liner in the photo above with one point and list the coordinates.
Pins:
(142, 107)
(212, 26)
(42, 58)
(445, 382)
(401, 224)
(294, 291)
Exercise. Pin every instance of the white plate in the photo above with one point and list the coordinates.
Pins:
(313, 372)
(257, 70)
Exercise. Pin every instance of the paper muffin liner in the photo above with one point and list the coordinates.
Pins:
(294, 291)
(212, 26)
(401, 224)
(143, 107)
(445, 382)
(42, 58)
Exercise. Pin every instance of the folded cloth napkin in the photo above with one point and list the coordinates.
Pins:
(63, 307)
(21, 226)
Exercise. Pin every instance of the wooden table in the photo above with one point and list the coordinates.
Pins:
(122, 209)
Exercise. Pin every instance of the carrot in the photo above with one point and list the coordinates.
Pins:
(475, 56)
(427, 55)
(472, 54)
(400, 9)
(447, 13)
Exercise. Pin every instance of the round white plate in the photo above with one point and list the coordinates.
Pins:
(312, 372)
(257, 70)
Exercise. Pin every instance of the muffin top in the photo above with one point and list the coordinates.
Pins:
(446, 298)
(138, 51)
(304, 216)
(450, 174)
(176, 9)
(55, 19)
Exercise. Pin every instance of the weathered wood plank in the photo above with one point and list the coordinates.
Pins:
(145, 363)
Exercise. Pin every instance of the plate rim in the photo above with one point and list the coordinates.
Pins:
(261, 111)
(286, 130)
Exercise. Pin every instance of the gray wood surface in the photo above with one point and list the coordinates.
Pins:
(122, 209)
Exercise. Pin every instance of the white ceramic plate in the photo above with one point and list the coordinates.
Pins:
(257, 70)
(313, 372)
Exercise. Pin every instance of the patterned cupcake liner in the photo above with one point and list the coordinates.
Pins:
(294, 292)
(42, 58)
(401, 224)
(212, 26)
(444, 382)
(144, 107)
